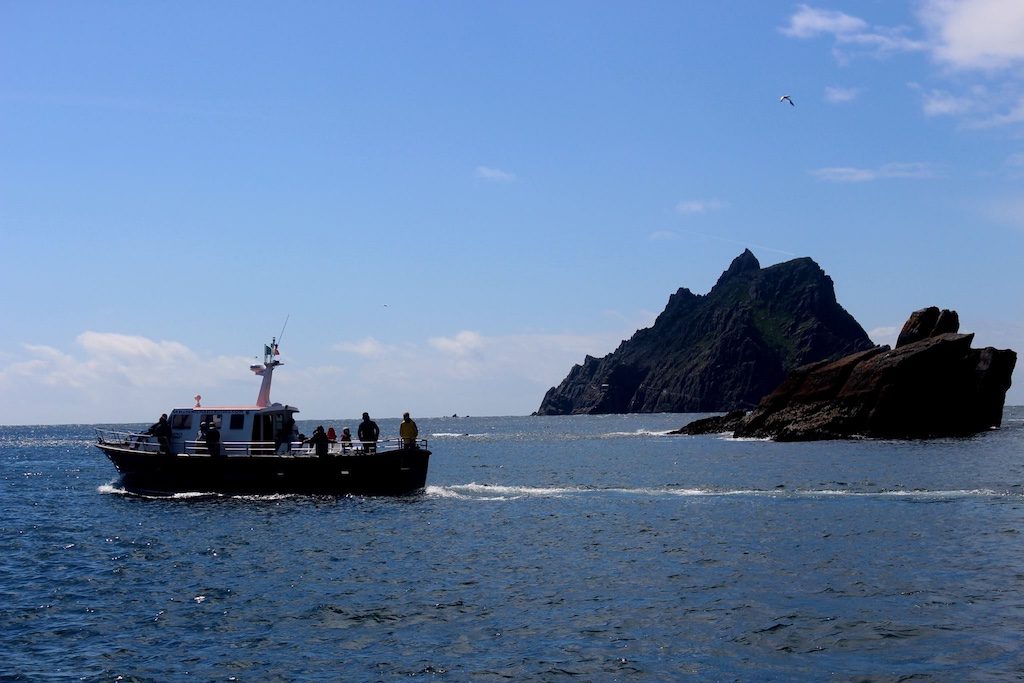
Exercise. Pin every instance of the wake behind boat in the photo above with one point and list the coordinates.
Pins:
(245, 453)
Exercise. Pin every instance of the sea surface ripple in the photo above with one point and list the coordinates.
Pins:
(573, 548)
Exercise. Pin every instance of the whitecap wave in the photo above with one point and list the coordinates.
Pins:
(454, 435)
(476, 491)
(453, 493)
(114, 489)
(638, 432)
(495, 492)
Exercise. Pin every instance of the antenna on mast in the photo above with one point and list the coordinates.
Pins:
(281, 336)
(266, 371)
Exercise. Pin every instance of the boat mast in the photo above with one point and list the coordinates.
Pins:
(267, 372)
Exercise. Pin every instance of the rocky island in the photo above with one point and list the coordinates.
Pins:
(721, 351)
(933, 384)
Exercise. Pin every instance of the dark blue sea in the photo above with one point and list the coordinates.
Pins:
(544, 548)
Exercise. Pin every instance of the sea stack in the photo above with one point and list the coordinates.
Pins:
(933, 384)
(720, 351)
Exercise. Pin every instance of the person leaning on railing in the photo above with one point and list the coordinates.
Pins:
(162, 431)
(319, 442)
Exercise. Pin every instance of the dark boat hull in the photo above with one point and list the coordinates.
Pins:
(387, 473)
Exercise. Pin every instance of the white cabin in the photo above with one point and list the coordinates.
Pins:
(244, 428)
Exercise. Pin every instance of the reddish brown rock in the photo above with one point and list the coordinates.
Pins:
(932, 384)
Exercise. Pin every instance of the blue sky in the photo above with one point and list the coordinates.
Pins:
(453, 202)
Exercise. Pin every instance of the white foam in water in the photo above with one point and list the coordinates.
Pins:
(184, 495)
(451, 493)
(452, 435)
(490, 491)
(638, 432)
(474, 491)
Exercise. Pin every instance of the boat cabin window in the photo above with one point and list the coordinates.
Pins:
(237, 421)
(216, 417)
(181, 421)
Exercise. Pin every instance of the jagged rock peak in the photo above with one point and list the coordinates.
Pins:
(745, 264)
(722, 350)
(928, 322)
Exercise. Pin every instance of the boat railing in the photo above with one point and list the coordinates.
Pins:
(298, 448)
(147, 443)
(134, 441)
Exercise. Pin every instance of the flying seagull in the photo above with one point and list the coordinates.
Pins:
(787, 98)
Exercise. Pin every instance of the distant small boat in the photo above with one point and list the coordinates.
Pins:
(250, 457)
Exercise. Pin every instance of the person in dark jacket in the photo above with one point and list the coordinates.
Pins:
(213, 440)
(204, 428)
(368, 433)
(162, 431)
(319, 442)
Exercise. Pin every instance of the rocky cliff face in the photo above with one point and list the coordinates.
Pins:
(932, 384)
(720, 351)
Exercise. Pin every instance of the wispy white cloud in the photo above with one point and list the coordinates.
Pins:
(662, 236)
(975, 34)
(1008, 116)
(1015, 160)
(496, 175)
(368, 347)
(808, 22)
(130, 347)
(696, 206)
(852, 36)
(885, 335)
(109, 373)
(459, 373)
(461, 344)
(851, 174)
(837, 95)
(963, 37)
(983, 37)
(121, 378)
(977, 105)
(1009, 212)
(943, 103)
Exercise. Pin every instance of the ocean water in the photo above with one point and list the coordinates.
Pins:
(544, 548)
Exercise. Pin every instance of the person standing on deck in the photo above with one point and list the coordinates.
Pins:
(162, 431)
(204, 428)
(408, 431)
(368, 433)
(213, 439)
(319, 442)
(283, 441)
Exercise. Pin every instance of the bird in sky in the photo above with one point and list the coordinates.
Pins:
(787, 98)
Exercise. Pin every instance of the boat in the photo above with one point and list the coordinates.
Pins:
(253, 458)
